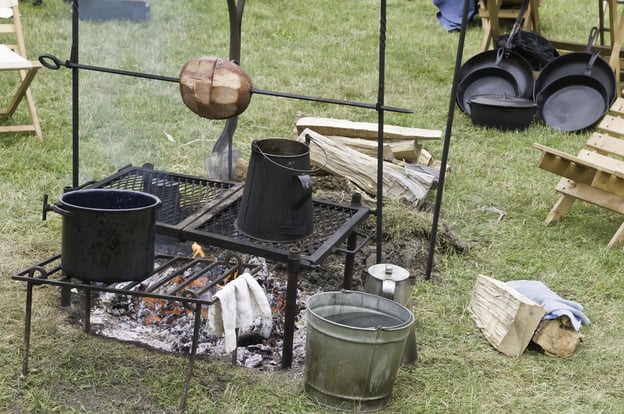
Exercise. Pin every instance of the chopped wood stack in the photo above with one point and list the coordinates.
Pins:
(361, 169)
(349, 149)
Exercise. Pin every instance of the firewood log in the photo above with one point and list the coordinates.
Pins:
(361, 169)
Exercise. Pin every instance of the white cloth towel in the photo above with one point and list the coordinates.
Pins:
(554, 305)
(241, 304)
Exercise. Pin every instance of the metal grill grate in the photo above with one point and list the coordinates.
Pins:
(328, 220)
(205, 211)
(183, 197)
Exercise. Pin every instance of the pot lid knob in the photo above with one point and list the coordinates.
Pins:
(384, 271)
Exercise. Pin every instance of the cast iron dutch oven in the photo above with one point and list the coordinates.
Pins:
(108, 235)
(498, 71)
(502, 112)
(575, 63)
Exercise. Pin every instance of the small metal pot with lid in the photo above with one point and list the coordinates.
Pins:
(502, 111)
(393, 282)
(389, 281)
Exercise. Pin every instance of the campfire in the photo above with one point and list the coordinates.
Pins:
(167, 325)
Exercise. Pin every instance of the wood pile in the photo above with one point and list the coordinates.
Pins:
(349, 149)
(510, 321)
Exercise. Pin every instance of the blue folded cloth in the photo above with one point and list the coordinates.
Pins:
(451, 11)
(553, 304)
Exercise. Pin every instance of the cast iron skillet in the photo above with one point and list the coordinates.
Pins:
(575, 63)
(505, 61)
(572, 103)
(487, 80)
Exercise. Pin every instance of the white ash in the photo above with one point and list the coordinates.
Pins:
(122, 317)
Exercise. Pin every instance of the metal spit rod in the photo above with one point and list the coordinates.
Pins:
(52, 62)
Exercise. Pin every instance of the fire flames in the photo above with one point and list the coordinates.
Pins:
(156, 310)
(197, 250)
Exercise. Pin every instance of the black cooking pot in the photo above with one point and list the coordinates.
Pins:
(575, 63)
(572, 103)
(108, 235)
(502, 112)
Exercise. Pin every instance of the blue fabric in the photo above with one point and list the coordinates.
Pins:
(451, 11)
(553, 304)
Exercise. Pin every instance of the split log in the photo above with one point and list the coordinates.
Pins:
(507, 318)
(364, 130)
(407, 150)
(557, 337)
(365, 146)
(361, 170)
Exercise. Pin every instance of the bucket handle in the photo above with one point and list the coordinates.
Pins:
(296, 170)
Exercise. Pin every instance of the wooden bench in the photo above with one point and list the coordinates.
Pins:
(595, 174)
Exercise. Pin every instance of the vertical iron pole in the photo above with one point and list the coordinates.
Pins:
(347, 279)
(447, 141)
(27, 322)
(294, 257)
(87, 311)
(189, 372)
(380, 128)
(75, 124)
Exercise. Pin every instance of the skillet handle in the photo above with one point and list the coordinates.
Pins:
(517, 23)
(593, 34)
(499, 56)
(590, 64)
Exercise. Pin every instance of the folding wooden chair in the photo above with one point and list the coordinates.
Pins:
(13, 58)
(492, 11)
(595, 175)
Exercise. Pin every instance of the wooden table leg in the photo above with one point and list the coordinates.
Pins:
(616, 46)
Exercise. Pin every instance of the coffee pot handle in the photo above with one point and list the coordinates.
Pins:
(305, 183)
(387, 288)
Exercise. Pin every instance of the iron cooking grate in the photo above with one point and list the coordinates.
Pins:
(205, 211)
(183, 197)
(174, 277)
(332, 224)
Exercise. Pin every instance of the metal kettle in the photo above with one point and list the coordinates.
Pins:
(393, 282)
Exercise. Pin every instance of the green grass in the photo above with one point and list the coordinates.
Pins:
(319, 48)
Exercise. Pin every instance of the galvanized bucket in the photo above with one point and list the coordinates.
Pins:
(354, 348)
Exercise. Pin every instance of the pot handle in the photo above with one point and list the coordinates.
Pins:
(305, 183)
(389, 285)
(387, 288)
(308, 138)
(52, 207)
